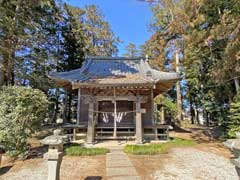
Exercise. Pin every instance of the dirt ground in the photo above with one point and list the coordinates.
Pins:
(72, 168)
(206, 142)
(146, 165)
(86, 168)
(94, 168)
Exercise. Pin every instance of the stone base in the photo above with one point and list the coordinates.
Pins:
(89, 145)
(236, 162)
(54, 160)
(158, 141)
(238, 171)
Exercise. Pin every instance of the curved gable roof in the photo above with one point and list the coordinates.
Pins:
(114, 71)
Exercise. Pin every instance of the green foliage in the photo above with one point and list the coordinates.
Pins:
(77, 150)
(206, 33)
(22, 109)
(170, 107)
(131, 50)
(99, 37)
(234, 117)
(73, 35)
(153, 149)
(26, 29)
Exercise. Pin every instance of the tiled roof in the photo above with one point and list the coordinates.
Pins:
(114, 71)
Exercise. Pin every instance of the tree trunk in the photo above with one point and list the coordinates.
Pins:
(56, 108)
(191, 109)
(178, 90)
(197, 116)
(236, 82)
(196, 113)
(207, 118)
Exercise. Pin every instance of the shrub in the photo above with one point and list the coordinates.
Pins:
(169, 105)
(22, 109)
(234, 117)
(83, 151)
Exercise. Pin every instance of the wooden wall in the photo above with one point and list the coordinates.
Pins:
(146, 117)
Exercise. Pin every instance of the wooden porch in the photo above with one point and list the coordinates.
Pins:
(126, 132)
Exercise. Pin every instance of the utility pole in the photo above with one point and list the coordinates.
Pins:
(178, 90)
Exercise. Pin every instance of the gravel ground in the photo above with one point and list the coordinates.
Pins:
(72, 168)
(190, 164)
(38, 171)
(178, 164)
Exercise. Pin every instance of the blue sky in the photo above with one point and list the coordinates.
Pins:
(129, 19)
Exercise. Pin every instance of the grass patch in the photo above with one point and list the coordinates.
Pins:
(83, 151)
(152, 149)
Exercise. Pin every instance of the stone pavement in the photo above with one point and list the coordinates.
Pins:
(119, 167)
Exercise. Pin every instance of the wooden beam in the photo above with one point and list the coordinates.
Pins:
(76, 85)
(142, 99)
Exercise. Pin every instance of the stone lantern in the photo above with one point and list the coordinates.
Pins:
(234, 145)
(54, 154)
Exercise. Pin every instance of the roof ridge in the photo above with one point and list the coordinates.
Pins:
(114, 58)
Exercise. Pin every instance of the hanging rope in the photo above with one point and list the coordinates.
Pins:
(105, 118)
(111, 112)
(119, 115)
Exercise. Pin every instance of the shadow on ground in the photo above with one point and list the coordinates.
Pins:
(37, 152)
(178, 129)
(93, 178)
(5, 169)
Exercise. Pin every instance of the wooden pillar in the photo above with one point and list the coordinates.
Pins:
(96, 115)
(162, 115)
(156, 132)
(115, 115)
(178, 90)
(152, 106)
(79, 106)
(74, 134)
(91, 128)
(139, 133)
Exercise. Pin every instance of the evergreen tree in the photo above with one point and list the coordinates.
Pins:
(234, 118)
(20, 22)
(100, 39)
(131, 50)
(73, 42)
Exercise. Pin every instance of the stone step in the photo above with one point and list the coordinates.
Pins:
(115, 157)
(119, 163)
(119, 166)
(123, 171)
(125, 178)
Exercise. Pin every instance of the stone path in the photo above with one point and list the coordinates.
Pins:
(119, 167)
